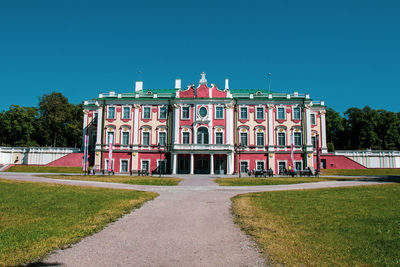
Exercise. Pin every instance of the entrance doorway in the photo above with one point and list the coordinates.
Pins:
(202, 165)
(220, 164)
(183, 164)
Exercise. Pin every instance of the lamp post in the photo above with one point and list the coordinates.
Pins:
(159, 163)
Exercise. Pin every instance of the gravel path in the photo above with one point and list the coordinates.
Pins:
(187, 225)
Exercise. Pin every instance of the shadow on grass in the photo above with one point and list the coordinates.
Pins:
(391, 179)
(40, 264)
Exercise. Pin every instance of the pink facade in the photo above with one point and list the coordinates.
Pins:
(204, 129)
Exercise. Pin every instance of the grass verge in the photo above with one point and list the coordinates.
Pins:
(44, 169)
(137, 180)
(361, 172)
(38, 218)
(357, 226)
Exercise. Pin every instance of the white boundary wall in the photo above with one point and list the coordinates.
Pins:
(33, 155)
(373, 158)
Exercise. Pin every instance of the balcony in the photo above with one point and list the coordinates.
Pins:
(203, 147)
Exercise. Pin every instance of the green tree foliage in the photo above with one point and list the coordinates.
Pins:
(334, 129)
(56, 122)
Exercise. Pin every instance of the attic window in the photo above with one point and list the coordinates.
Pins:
(149, 92)
(258, 93)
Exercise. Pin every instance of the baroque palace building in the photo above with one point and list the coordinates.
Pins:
(203, 129)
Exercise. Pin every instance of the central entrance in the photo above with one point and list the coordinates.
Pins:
(202, 164)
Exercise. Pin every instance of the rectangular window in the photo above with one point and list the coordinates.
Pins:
(147, 113)
(162, 166)
(298, 165)
(163, 113)
(106, 164)
(314, 142)
(244, 166)
(260, 113)
(260, 165)
(260, 139)
(110, 137)
(281, 114)
(185, 113)
(161, 138)
(219, 112)
(111, 113)
(145, 165)
(297, 139)
(296, 113)
(95, 118)
(124, 165)
(125, 138)
(281, 166)
(281, 139)
(243, 139)
(313, 121)
(146, 139)
(243, 113)
(126, 112)
(219, 138)
(185, 138)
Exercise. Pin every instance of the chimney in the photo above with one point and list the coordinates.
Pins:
(177, 83)
(226, 83)
(138, 86)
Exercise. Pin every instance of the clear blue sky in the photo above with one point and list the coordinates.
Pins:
(344, 52)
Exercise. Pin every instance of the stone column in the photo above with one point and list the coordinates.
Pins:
(99, 126)
(174, 163)
(136, 125)
(270, 128)
(191, 164)
(211, 163)
(176, 124)
(323, 132)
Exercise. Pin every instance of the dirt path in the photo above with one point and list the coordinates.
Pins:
(187, 225)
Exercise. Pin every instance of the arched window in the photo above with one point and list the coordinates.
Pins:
(202, 135)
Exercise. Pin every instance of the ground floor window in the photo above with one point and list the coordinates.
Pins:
(244, 166)
(106, 164)
(162, 166)
(298, 165)
(282, 166)
(124, 165)
(260, 165)
(145, 165)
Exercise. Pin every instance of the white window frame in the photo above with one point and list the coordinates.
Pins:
(159, 112)
(314, 144)
(215, 113)
(105, 167)
(114, 136)
(294, 139)
(315, 119)
(215, 135)
(143, 132)
(208, 137)
(293, 108)
(240, 165)
(284, 113)
(108, 112)
(185, 106)
(141, 164)
(240, 138)
(120, 165)
(298, 161)
(263, 113)
(165, 140)
(263, 162)
(277, 137)
(164, 163)
(240, 113)
(143, 112)
(190, 135)
(284, 161)
(122, 136)
(257, 132)
(123, 112)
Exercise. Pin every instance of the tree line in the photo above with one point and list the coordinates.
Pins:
(55, 122)
(360, 129)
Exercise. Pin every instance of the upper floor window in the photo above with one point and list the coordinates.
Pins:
(111, 113)
(110, 137)
(297, 139)
(219, 138)
(260, 139)
(314, 141)
(296, 113)
(202, 135)
(185, 138)
(162, 138)
(259, 113)
(243, 113)
(146, 138)
(243, 139)
(95, 117)
(313, 121)
(146, 113)
(162, 113)
(281, 113)
(126, 112)
(185, 113)
(219, 112)
(125, 138)
(281, 139)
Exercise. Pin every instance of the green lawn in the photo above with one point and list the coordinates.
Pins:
(137, 180)
(357, 226)
(38, 218)
(361, 172)
(44, 169)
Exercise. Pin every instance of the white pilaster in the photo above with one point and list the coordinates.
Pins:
(323, 133)
(211, 163)
(136, 125)
(308, 127)
(99, 126)
(229, 167)
(85, 125)
(229, 125)
(176, 124)
(191, 164)
(174, 163)
(270, 128)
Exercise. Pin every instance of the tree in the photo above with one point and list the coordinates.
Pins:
(334, 129)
